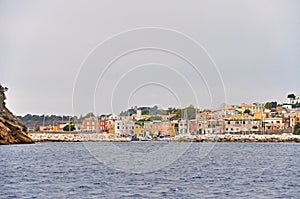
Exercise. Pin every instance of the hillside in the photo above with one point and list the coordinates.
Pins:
(34, 121)
(11, 127)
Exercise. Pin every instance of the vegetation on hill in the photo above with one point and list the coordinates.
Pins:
(270, 105)
(34, 121)
(145, 111)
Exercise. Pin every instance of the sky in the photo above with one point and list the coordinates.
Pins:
(74, 57)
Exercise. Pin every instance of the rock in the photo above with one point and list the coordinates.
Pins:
(11, 133)
(11, 127)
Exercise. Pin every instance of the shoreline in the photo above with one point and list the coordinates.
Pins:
(95, 137)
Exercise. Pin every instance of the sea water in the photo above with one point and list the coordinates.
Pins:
(226, 170)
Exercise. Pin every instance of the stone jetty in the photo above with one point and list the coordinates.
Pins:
(97, 137)
(237, 138)
(75, 137)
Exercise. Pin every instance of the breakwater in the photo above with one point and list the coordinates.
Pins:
(75, 137)
(97, 137)
(237, 138)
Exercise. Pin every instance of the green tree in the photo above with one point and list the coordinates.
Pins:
(69, 127)
(145, 112)
(247, 111)
(170, 110)
(297, 129)
(177, 113)
(140, 122)
(89, 115)
(291, 96)
(270, 105)
(190, 112)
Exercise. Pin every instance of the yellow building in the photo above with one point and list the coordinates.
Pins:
(174, 128)
(254, 108)
(239, 116)
(138, 130)
(294, 119)
(111, 128)
(56, 128)
(260, 116)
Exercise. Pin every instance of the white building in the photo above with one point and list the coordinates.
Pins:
(287, 106)
(296, 100)
(273, 123)
(242, 125)
(124, 127)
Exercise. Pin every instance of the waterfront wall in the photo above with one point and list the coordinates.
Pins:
(238, 138)
(97, 137)
(75, 137)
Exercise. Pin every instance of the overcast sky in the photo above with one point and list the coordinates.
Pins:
(44, 47)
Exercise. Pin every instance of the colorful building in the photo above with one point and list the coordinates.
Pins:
(253, 108)
(138, 130)
(124, 127)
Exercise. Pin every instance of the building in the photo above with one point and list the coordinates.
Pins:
(273, 124)
(174, 128)
(291, 119)
(111, 127)
(124, 127)
(287, 106)
(296, 100)
(242, 125)
(167, 117)
(192, 126)
(103, 125)
(90, 124)
(46, 128)
(138, 130)
(253, 108)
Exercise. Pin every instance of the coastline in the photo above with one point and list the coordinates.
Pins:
(94, 137)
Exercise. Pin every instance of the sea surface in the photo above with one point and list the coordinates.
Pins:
(228, 170)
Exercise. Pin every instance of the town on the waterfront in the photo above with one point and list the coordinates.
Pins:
(153, 123)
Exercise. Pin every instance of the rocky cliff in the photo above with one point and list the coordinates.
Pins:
(11, 127)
